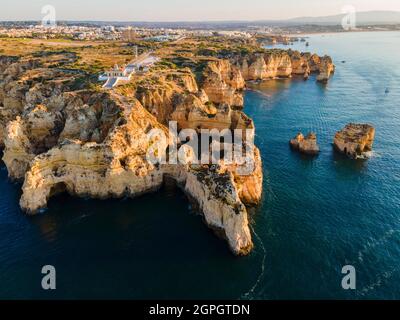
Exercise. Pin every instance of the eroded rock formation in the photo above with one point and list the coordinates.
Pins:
(283, 64)
(326, 68)
(307, 145)
(355, 140)
(94, 144)
(60, 136)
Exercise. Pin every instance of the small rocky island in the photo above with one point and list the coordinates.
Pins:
(355, 140)
(62, 132)
(306, 145)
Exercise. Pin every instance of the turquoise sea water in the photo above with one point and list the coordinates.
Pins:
(318, 214)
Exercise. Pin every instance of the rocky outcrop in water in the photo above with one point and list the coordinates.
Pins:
(355, 140)
(217, 197)
(326, 68)
(307, 145)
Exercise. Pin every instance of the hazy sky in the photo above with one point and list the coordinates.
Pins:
(181, 10)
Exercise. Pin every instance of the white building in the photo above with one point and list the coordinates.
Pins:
(113, 76)
(117, 72)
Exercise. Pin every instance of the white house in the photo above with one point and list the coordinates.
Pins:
(117, 73)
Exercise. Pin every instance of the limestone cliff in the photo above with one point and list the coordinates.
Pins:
(94, 144)
(326, 68)
(18, 149)
(271, 64)
(215, 102)
(60, 135)
(218, 199)
(158, 93)
(223, 83)
(31, 81)
(113, 168)
(118, 167)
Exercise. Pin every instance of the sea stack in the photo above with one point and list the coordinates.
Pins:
(355, 140)
(307, 145)
(326, 69)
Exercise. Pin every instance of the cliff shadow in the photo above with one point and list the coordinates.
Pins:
(169, 186)
(2, 164)
(58, 188)
(271, 86)
(322, 85)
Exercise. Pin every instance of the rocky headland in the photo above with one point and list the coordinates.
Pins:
(63, 134)
(272, 64)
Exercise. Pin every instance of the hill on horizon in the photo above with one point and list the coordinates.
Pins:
(363, 18)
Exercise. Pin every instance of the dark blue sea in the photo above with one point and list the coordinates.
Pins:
(317, 215)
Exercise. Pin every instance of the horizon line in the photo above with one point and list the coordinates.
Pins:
(204, 21)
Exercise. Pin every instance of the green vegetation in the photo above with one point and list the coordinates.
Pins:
(166, 64)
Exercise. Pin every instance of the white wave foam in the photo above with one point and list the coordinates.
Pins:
(373, 244)
(249, 294)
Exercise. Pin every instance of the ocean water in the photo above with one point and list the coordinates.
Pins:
(318, 214)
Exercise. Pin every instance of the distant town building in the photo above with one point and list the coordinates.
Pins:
(163, 38)
(128, 35)
(108, 28)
